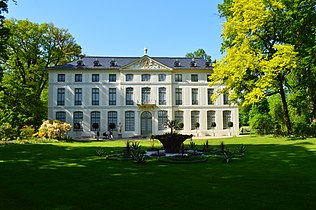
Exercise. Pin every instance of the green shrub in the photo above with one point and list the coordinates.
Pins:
(27, 131)
(7, 132)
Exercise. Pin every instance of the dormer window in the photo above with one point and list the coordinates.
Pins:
(80, 63)
(96, 63)
(177, 63)
(208, 63)
(193, 63)
(113, 63)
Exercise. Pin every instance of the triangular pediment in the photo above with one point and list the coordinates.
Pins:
(146, 63)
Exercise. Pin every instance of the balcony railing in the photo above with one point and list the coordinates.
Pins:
(150, 103)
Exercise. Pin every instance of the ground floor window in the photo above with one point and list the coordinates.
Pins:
(77, 121)
(178, 116)
(210, 120)
(162, 119)
(61, 116)
(129, 121)
(226, 118)
(195, 118)
(112, 118)
(95, 121)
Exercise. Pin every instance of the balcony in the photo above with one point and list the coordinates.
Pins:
(147, 104)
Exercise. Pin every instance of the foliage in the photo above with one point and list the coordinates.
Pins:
(180, 125)
(54, 129)
(196, 125)
(27, 131)
(206, 146)
(100, 152)
(112, 126)
(200, 53)
(7, 132)
(138, 154)
(30, 50)
(172, 124)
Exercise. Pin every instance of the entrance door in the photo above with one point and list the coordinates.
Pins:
(146, 124)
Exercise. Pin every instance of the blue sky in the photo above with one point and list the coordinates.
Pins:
(126, 27)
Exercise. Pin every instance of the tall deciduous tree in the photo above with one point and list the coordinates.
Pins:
(200, 53)
(258, 60)
(31, 49)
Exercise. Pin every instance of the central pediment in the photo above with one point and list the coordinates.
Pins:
(146, 63)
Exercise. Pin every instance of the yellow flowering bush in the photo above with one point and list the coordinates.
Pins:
(53, 129)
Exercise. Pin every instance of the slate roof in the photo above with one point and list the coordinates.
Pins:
(105, 62)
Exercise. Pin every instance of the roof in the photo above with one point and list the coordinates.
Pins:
(100, 62)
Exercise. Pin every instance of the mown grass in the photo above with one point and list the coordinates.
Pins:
(276, 173)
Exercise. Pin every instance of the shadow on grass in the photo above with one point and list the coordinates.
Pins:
(72, 177)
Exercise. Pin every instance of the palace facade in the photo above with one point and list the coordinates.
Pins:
(138, 95)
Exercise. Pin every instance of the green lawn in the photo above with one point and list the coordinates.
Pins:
(275, 174)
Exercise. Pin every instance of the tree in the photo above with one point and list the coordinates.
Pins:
(31, 49)
(258, 61)
(200, 53)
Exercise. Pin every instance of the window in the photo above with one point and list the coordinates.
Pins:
(178, 77)
(95, 121)
(129, 121)
(78, 96)
(78, 77)
(129, 77)
(208, 77)
(178, 96)
(112, 96)
(195, 118)
(61, 78)
(145, 77)
(162, 119)
(112, 77)
(161, 77)
(60, 96)
(210, 119)
(61, 116)
(225, 99)
(178, 116)
(112, 117)
(77, 121)
(162, 96)
(194, 78)
(226, 118)
(210, 92)
(146, 95)
(129, 96)
(95, 96)
(195, 100)
(95, 78)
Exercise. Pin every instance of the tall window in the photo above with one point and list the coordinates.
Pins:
(178, 78)
(210, 119)
(95, 96)
(178, 96)
(78, 96)
(61, 96)
(112, 96)
(161, 77)
(129, 121)
(145, 77)
(112, 117)
(162, 119)
(129, 96)
(210, 92)
(225, 99)
(194, 78)
(77, 121)
(95, 121)
(178, 116)
(129, 77)
(78, 77)
(112, 77)
(61, 116)
(226, 118)
(61, 78)
(162, 96)
(195, 117)
(146, 95)
(95, 78)
(195, 100)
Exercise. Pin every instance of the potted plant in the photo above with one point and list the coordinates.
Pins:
(196, 126)
(230, 124)
(213, 125)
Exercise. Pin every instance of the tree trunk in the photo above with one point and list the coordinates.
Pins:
(285, 109)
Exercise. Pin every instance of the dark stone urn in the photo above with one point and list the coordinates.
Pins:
(172, 142)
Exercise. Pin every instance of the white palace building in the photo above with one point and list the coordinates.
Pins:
(138, 95)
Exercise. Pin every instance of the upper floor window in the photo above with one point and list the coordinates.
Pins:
(145, 77)
(178, 77)
(129, 96)
(194, 78)
(78, 96)
(112, 96)
(178, 96)
(61, 116)
(162, 96)
(210, 93)
(112, 77)
(78, 77)
(61, 96)
(95, 96)
(61, 78)
(95, 78)
(208, 77)
(129, 77)
(195, 100)
(161, 77)
(226, 101)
